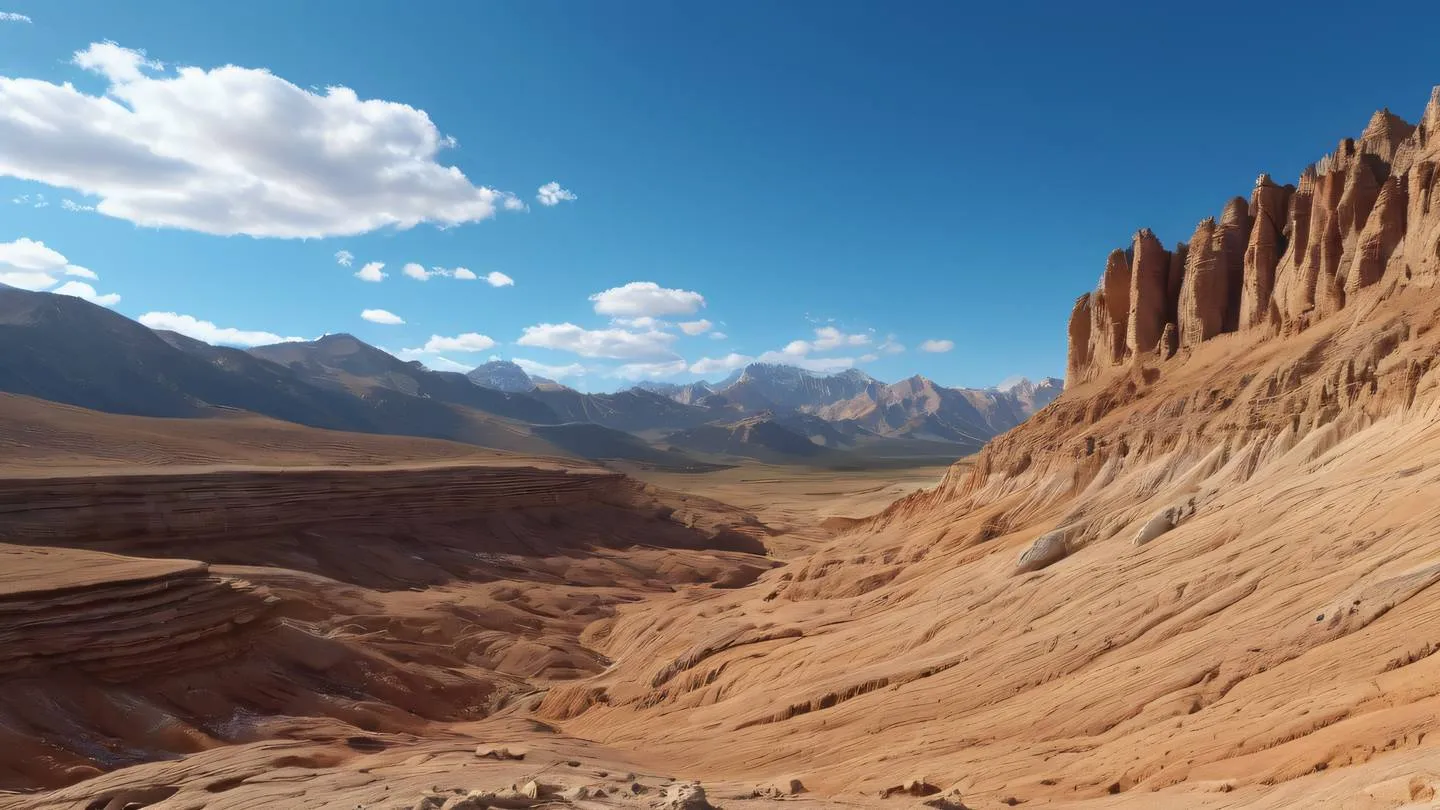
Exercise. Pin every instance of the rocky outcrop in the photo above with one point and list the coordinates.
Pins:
(1287, 257)
(1148, 281)
(1203, 292)
(1262, 255)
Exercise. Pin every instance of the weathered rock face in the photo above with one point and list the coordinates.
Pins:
(1380, 237)
(1148, 280)
(1262, 255)
(1079, 347)
(1288, 257)
(1204, 292)
(1116, 284)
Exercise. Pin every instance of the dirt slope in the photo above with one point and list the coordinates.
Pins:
(1199, 579)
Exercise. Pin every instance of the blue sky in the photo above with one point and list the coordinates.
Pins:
(831, 183)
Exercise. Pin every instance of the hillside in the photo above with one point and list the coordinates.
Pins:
(1201, 578)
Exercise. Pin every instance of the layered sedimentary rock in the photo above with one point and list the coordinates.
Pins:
(1262, 255)
(1148, 280)
(1286, 258)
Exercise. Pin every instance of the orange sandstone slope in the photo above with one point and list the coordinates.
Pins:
(1203, 577)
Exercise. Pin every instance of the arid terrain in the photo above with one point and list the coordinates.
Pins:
(1202, 577)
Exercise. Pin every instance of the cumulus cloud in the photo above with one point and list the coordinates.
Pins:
(827, 338)
(640, 298)
(891, 346)
(513, 203)
(554, 372)
(553, 194)
(31, 265)
(693, 328)
(210, 333)
(371, 272)
(80, 289)
(416, 271)
(615, 344)
(344, 258)
(495, 278)
(233, 150)
(10, 16)
(937, 346)
(711, 365)
(464, 274)
(382, 317)
(466, 342)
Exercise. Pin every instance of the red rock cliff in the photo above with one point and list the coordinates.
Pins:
(1288, 257)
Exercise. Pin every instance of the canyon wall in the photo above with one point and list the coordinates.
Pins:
(1277, 263)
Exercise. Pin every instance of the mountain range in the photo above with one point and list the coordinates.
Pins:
(68, 350)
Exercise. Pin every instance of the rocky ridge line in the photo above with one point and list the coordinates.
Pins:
(1286, 258)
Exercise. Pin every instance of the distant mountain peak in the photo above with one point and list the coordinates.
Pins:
(502, 375)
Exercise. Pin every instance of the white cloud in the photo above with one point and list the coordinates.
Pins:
(382, 317)
(495, 278)
(464, 343)
(818, 364)
(828, 337)
(693, 328)
(417, 272)
(10, 16)
(344, 258)
(210, 333)
(37, 201)
(642, 322)
(649, 371)
(371, 272)
(30, 265)
(554, 372)
(464, 274)
(937, 346)
(233, 150)
(869, 358)
(25, 280)
(646, 298)
(71, 205)
(891, 346)
(553, 194)
(718, 336)
(513, 203)
(616, 344)
(711, 365)
(80, 289)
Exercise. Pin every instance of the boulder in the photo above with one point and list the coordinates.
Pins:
(1047, 550)
(688, 797)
